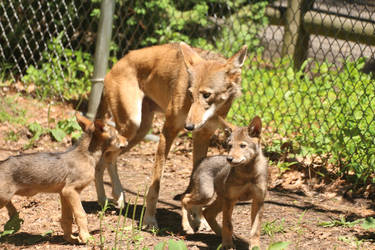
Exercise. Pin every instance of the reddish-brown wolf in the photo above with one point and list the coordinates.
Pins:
(192, 87)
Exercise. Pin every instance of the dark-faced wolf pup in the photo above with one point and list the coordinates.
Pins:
(239, 176)
(66, 173)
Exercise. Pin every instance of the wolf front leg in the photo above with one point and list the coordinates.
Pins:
(167, 136)
(71, 196)
(227, 230)
(256, 216)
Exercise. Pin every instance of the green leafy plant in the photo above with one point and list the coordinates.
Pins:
(327, 114)
(63, 72)
(351, 240)
(368, 223)
(171, 245)
(12, 136)
(63, 128)
(280, 245)
(273, 227)
(341, 222)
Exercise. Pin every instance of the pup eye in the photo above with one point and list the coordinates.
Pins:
(206, 95)
(242, 145)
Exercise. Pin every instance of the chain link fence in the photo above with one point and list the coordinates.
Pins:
(304, 75)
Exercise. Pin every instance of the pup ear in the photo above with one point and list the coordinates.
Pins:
(100, 126)
(238, 59)
(84, 123)
(190, 56)
(255, 127)
(227, 132)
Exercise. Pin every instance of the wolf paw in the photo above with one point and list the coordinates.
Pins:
(72, 239)
(120, 203)
(103, 200)
(149, 222)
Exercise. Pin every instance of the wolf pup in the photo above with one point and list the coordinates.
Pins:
(191, 86)
(66, 173)
(240, 176)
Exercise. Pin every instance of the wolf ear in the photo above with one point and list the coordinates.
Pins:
(190, 56)
(255, 127)
(84, 123)
(238, 59)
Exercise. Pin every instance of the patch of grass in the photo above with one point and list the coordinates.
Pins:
(342, 222)
(12, 136)
(271, 228)
(11, 112)
(354, 241)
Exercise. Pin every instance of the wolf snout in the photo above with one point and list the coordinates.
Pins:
(229, 158)
(189, 127)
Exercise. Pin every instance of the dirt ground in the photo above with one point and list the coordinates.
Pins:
(291, 214)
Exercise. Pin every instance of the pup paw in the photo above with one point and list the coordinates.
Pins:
(194, 222)
(226, 246)
(204, 226)
(187, 228)
(84, 237)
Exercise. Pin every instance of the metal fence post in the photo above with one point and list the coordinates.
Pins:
(101, 55)
(296, 39)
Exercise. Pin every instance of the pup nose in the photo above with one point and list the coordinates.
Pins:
(189, 127)
(229, 158)
(123, 143)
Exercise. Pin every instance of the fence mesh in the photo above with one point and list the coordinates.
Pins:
(318, 115)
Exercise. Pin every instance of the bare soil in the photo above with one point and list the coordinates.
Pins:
(291, 205)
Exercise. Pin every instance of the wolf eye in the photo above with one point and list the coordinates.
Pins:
(242, 145)
(206, 95)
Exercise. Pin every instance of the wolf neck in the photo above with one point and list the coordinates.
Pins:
(84, 143)
(85, 146)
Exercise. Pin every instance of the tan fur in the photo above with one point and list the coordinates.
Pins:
(65, 173)
(174, 79)
(240, 176)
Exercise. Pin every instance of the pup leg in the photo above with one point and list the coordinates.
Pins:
(185, 215)
(72, 197)
(198, 222)
(227, 231)
(99, 185)
(256, 216)
(169, 133)
(211, 212)
(191, 222)
(201, 141)
(67, 220)
(12, 211)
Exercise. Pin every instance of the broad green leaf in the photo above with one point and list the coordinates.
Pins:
(279, 245)
(58, 134)
(368, 223)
